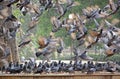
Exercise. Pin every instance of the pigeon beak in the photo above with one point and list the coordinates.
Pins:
(84, 56)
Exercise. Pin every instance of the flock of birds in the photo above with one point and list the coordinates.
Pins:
(103, 33)
(75, 26)
(35, 11)
(60, 67)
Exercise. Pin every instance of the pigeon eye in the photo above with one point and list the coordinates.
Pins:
(114, 50)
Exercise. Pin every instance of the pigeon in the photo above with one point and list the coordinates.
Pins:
(55, 67)
(27, 68)
(85, 57)
(43, 42)
(43, 2)
(94, 12)
(85, 68)
(47, 68)
(32, 24)
(1, 0)
(70, 3)
(110, 51)
(61, 47)
(39, 69)
(48, 4)
(70, 68)
(114, 7)
(62, 11)
(11, 18)
(23, 3)
(99, 67)
(78, 65)
(56, 24)
(111, 67)
(13, 69)
(11, 2)
(91, 71)
(24, 43)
